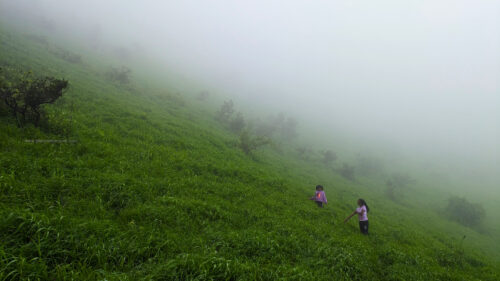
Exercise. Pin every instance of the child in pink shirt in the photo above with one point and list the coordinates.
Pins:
(362, 212)
(320, 196)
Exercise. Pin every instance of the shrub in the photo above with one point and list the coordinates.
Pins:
(304, 152)
(120, 75)
(237, 124)
(347, 171)
(464, 212)
(249, 143)
(396, 183)
(226, 111)
(68, 56)
(285, 127)
(27, 94)
(329, 157)
(368, 165)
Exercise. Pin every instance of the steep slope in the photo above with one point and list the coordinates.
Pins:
(156, 189)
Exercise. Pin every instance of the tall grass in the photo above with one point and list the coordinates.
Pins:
(155, 189)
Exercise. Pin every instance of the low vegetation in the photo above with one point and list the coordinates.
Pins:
(120, 75)
(156, 189)
(462, 211)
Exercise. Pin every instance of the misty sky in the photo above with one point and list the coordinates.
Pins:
(423, 73)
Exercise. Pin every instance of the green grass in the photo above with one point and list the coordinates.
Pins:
(156, 189)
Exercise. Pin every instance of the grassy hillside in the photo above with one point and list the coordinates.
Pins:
(156, 189)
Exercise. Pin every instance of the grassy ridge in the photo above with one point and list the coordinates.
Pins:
(156, 189)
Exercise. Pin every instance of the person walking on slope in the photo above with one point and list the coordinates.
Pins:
(320, 196)
(362, 212)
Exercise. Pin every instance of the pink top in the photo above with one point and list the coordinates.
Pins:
(362, 213)
(320, 197)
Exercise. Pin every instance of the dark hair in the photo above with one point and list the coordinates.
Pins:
(319, 187)
(363, 203)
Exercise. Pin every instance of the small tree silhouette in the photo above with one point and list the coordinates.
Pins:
(237, 124)
(120, 75)
(397, 183)
(27, 94)
(226, 111)
(347, 171)
(329, 157)
(464, 212)
(249, 143)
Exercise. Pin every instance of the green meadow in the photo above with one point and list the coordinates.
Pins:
(155, 188)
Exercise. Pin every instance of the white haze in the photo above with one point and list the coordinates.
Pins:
(420, 75)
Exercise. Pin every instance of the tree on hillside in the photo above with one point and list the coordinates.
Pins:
(347, 171)
(396, 183)
(369, 165)
(264, 129)
(249, 143)
(278, 125)
(120, 75)
(237, 124)
(304, 152)
(226, 111)
(464, 212)
(24, 95)
(329, 157)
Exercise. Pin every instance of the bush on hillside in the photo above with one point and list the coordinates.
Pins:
(464, 212)
(120, 75)
(329, 157)
(369, 165)
(24, 95)
(226, 111)
(67, 56)
(304, 152)
(249, 143)
(396, 183)
(284, 127)
(347, 171)
(237, 124)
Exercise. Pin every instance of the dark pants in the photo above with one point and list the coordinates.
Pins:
(363, 226)
(320, 204)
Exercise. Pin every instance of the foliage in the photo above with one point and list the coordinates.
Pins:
(249, 143)
(369, 165)
(26, 94)
(237, 124)
(304, 152)
(329, 157)
(396, 183)
(347, 171)
(67, 56)
(120, 75)
(284, 127)
(226, 111)
(464, 212)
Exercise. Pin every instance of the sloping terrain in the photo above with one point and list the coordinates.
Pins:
(156, 189)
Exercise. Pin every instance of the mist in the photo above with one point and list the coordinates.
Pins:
(419, 76)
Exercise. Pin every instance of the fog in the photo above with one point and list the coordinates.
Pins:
(422, 76)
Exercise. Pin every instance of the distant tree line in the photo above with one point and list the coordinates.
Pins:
(258, 133)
